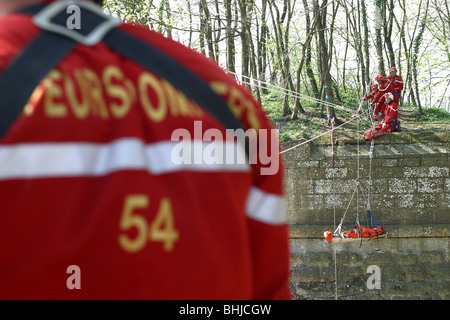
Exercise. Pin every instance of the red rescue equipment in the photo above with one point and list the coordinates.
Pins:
(371, 134)
(356, 233)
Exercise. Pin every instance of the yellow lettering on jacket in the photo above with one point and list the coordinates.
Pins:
(149, 84)
(83, 93)
(79, 105)
(53, 93)
(117, 91)
(95, 90)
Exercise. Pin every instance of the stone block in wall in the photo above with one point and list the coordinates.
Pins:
(389, 151)
(305, 273)
(409, 161)
(425, 149)
(389, 162)
(408, 216)
(440, 160)
(291, 159)
(440, 271)
(377, 185)
(421, 290)
(396, 185)
(308, 164)
(308, 173)
(443, 289)
(303, 186)
(347, 151)
(323, 186)
(313, 291)
(425, 172)
(336, 202)
(416, 272)
(388, 172)
(379, 257)
(319, 153)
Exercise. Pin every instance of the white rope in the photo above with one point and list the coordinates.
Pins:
(292, 94)
(335, 275)
(316, 137)
(357, 182)
(338, 229)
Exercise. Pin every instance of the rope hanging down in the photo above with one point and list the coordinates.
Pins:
(359, 231)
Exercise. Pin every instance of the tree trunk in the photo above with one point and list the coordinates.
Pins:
(306, 56)
(231, 55)
(325, 61)
(366, 74)
(388, 33)
(208, 30)
(262, 46)
(417, 42)
(379, 8)
(282, 55)
(245, 44)
(202, 29)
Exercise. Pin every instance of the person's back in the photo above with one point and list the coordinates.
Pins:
(88, 178)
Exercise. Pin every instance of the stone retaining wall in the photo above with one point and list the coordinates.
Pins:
(409, 195)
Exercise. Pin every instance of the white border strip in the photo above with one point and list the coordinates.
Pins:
(266, 207)
(49, 160)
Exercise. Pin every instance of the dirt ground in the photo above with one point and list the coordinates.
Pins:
(409, 123)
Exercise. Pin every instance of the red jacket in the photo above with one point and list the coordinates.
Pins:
(379, 98)
(371, 95)
(385, 87)
(390, 112)
(397, 82)
(87, 178)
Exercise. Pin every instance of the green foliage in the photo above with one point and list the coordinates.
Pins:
(311, 124)
(434, 115)
(350, 99)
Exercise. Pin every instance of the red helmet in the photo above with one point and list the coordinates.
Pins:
(393, 69)
(389, 95)
(379, 78)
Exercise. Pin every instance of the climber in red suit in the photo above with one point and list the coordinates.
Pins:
(384, 86)
(397, 82)
(390, 113)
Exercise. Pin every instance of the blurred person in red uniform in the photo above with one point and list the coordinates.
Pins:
(397, 82)
(95, 203)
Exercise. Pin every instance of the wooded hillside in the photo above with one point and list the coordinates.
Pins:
(319, 49)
